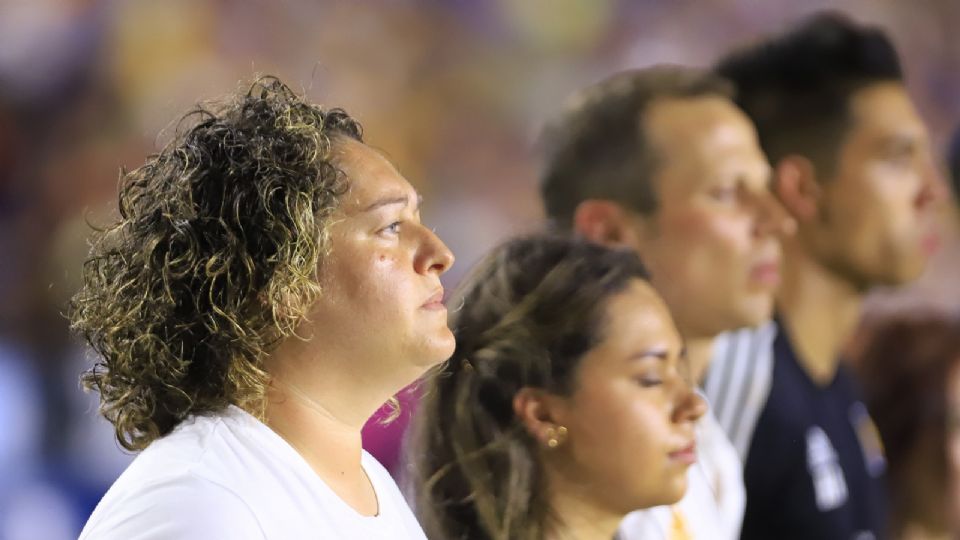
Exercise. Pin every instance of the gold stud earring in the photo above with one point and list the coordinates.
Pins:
(556, 436)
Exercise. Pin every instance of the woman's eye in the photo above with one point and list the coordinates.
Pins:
(649, 381)
(393, 228)
(901, 161)
(724, 194)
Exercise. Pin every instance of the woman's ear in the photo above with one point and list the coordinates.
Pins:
(541, 414)
(606, 223)
(796, 186)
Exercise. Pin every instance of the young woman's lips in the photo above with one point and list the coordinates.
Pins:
(686, 455)
(766, 273)
(435, 302)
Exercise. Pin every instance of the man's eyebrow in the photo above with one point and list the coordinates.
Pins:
(900, 142)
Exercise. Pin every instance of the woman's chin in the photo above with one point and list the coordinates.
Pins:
(672, 492)
(443, 347)
(436, 349)
(678, 490)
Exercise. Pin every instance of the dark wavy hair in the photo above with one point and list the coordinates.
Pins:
(797, 86)
(523, 318)
(905, 368)
(213, 259)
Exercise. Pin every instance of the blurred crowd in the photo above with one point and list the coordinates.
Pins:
(454, 91)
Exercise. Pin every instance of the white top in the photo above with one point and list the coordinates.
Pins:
(229, 476)
(739, 379)
(712, 507)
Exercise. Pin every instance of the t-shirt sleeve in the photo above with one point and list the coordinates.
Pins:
(185, 507)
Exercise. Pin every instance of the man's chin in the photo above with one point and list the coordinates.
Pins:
(748, 316)
(890, 280)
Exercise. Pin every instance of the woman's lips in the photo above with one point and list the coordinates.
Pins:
(686, 455)
(435, 302)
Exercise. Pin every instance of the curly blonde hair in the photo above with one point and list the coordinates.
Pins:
(213, 260)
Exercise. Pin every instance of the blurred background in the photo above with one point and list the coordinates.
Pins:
(454, 91)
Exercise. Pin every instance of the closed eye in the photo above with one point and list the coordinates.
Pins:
(725, 193)
(648, 381)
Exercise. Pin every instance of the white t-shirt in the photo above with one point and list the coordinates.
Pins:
(229, 476)
(712, 507)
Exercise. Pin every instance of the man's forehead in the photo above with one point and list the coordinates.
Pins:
(684, 108)
(678, 120)
(884, 115)
(686, 131)
(885, 105)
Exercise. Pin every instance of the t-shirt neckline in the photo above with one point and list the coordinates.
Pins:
(291, 456)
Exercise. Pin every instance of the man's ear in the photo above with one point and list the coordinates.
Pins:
(540, 412)
(607, 223)
(796, 186)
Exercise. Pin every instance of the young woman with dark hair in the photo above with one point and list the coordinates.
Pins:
(566, 404)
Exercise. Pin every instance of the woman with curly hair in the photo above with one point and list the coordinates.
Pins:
(567, 402)
(267, 287)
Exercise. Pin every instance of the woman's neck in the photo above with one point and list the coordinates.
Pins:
(319, 406)
(331, 446)
(579, 518)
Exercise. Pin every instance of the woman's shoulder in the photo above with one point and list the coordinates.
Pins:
(178, 504)
(189, 474)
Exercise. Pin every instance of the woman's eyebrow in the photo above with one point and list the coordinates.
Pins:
(387, 200)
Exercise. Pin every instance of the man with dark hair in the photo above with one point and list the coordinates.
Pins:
(852, 165)
(661, 161)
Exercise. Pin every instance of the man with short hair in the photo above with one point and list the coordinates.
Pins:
(852, 165)
(661, 161)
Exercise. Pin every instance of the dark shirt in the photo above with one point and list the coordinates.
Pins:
(814, 465)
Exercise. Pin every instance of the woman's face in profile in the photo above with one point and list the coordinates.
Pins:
(631, 415)
(381, 296)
